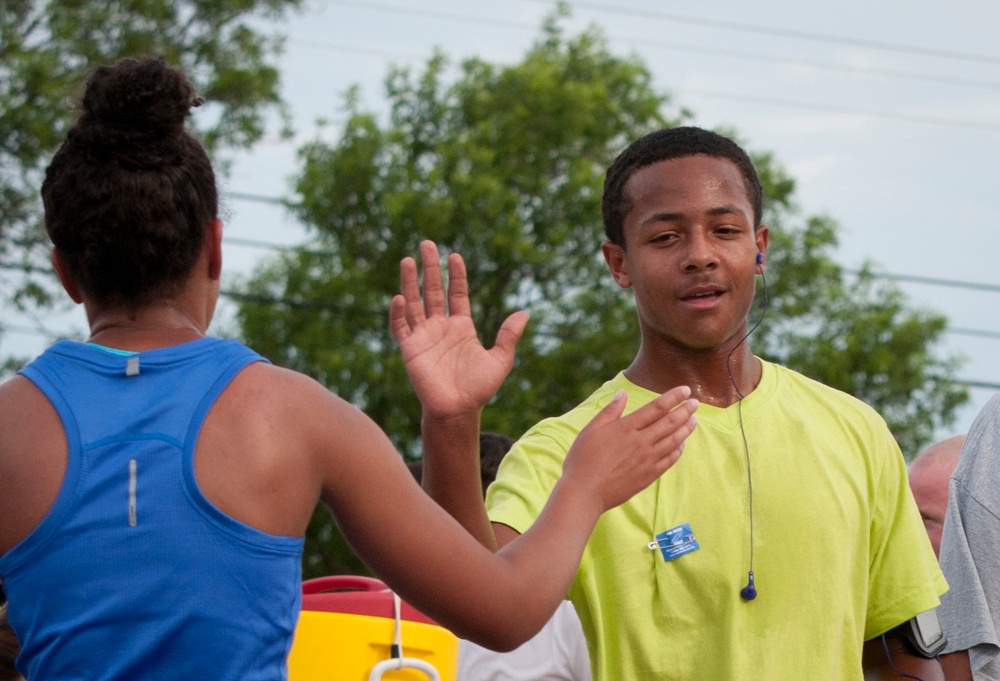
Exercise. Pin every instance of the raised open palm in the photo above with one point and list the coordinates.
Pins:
(451, 372)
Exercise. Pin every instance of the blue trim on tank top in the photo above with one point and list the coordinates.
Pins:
(113, 351)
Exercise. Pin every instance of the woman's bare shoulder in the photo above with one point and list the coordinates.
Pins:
(25, 413)
(297, 406)
(275, 389)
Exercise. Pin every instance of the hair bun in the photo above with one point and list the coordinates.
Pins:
(143, 97)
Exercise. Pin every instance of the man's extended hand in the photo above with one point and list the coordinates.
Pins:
(451, 372)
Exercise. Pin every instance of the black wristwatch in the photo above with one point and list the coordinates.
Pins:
(923, 634)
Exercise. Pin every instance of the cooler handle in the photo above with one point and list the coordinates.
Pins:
(342, 583)
(404, 662)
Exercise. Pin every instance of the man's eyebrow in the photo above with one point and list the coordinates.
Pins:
(664, 217)
(728, 209)
(724, 210)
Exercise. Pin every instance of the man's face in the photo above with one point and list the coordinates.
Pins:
(690, 251)
(929, 485)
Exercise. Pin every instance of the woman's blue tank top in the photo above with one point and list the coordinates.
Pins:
(134, 574)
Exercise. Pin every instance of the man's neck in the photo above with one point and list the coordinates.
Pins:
(718, 377)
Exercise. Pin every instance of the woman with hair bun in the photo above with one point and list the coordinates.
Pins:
(156, 483)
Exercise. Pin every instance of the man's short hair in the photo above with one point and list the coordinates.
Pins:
(664, 145)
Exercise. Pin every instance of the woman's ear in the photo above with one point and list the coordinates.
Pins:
(215, 250)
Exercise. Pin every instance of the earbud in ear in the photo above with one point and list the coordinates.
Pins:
(760, 258)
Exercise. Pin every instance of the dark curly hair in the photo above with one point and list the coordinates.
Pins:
(493, 447)
(130, 194)
(663, 145)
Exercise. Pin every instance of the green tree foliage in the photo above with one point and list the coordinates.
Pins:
(860, 335)
(505, 164)
(855, 333)
(47, 50)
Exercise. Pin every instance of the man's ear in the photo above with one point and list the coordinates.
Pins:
(215, 250)
(617, 261)
(762, 235)
(67, 281)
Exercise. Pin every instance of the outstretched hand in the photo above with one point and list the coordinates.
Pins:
(619, 456)
(451, 372)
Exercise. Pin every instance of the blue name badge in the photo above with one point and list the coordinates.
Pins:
(675, 542)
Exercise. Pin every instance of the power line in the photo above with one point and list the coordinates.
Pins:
(826, 108)
(974, 332)
(357, 49)
(258, 198)
(811, 36)
(983, 385)
(433, 14)
(752, 99)
(819, 64)
(888, 115)
(931, 281)
(713, 23)
(617, 10)
(296, 303)
(266, 245)
(700, 49)
(849, 110)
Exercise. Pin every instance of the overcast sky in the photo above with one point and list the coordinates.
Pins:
(886, 113)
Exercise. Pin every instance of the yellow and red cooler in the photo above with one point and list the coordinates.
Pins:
(347, 629)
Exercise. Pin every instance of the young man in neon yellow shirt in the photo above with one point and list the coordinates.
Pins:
(785, 543)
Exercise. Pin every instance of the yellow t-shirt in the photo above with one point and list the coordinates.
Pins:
(840, 553)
